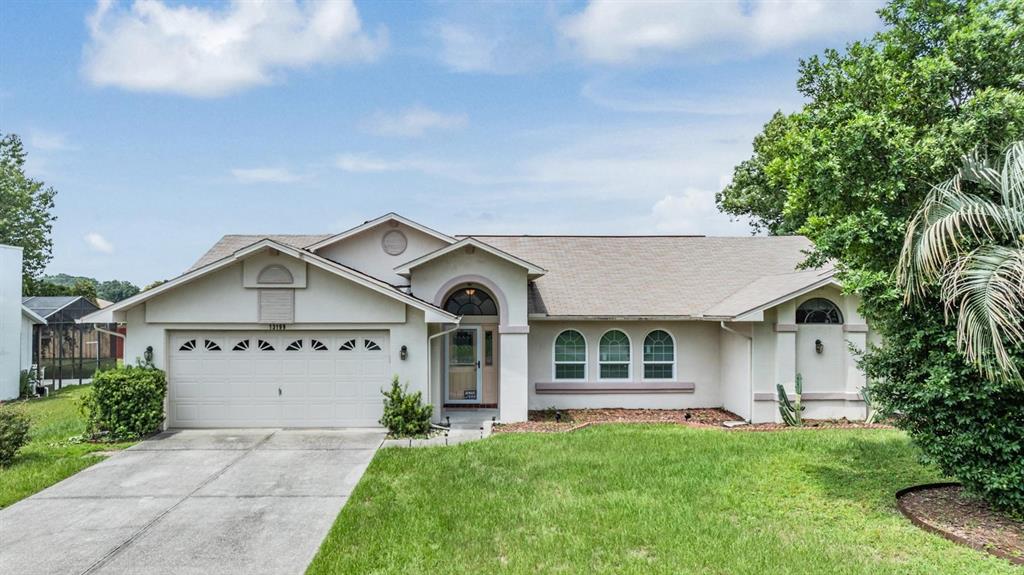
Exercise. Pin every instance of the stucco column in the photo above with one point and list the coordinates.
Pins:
(856, 339)
(785, 350)
(513, 390)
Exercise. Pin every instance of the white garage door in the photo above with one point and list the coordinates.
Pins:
(277, 379)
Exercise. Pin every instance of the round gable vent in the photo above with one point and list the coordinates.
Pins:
(394, 242)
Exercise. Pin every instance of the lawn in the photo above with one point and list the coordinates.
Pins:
(49, 457)
(644, 499)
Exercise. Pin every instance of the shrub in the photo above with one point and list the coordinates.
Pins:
(26, 384)
(404, 412)
(13, 433)
(125, 402)
(969, 426)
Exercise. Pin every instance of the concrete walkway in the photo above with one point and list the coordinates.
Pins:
(196, 501)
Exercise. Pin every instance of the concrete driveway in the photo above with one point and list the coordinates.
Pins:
(195, 501)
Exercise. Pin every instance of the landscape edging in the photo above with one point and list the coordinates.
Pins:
(942, 532)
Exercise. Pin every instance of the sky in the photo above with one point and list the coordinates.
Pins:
(167, 124)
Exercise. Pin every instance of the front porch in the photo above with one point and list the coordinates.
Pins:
(479, 374)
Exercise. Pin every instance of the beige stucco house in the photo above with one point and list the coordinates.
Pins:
(288, 330)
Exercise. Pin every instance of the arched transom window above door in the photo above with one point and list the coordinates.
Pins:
(818, 310)
(471, 301)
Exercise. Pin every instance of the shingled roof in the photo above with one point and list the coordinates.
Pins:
(230, 244)
(634, 276)
(651, 276)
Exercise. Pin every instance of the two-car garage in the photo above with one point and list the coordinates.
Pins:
(277, 378)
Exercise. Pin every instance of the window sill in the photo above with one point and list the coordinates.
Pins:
(612, 387)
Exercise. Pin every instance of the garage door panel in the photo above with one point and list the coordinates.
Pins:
(321, 367)
(327, 379)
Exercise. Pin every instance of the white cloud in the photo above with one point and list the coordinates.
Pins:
(99, 243)
(207, 52)
(363, 163)
(496, 37)
(265, 175)
(466, 50)
(371, 164)
(414, 122)
(49, 141)
(693, 211)
(610, 31)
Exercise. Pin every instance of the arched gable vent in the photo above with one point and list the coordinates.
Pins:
(275, 274)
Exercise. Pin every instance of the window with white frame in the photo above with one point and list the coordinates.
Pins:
(613, 355)
(659, 355)
(570, 355)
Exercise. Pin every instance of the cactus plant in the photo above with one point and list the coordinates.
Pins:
(792, 412)
(871, 412)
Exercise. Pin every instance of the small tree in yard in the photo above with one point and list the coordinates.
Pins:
(125, 402)
(404, 412)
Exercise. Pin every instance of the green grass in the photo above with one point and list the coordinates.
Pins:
(49, 457)
(644, 499)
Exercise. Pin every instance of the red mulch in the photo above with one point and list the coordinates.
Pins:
(573, 419)
(949, 510)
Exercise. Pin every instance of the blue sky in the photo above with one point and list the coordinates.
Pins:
(164, 125)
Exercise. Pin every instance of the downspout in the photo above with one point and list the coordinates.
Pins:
(750, 367)
(430, 352)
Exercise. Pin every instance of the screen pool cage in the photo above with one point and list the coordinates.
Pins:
(65, 351)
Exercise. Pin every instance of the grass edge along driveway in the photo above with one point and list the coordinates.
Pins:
(49, 457)
(644, 499)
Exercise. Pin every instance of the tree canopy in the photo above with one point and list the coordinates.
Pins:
(885, 119)
(26, 205)
(64, 284)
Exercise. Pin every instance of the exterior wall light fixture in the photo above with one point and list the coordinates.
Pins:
(818, 346)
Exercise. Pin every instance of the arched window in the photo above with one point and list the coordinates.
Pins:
(570, 355)
(274, 274)
(818, 310)
(613, 355)
(471, 301)
(659, 355)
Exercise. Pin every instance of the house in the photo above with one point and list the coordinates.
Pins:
(66, 348)
(304, 330)
(16, 322)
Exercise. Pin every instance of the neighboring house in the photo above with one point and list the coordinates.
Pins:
(16, 323)
(66, 348)
(287, 330)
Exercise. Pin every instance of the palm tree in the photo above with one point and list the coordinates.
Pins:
(969, 243)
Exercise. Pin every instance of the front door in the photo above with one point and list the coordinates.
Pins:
(463, 374)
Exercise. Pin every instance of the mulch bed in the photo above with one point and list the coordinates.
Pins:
(817, 424)
(573, 419)
(946, 509)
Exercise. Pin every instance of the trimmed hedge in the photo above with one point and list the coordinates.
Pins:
(125, 403)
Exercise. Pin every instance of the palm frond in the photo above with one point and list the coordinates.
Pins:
(947, 220)
(975, 168)
(1012, 177)
(972, 247)
(985, 289)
